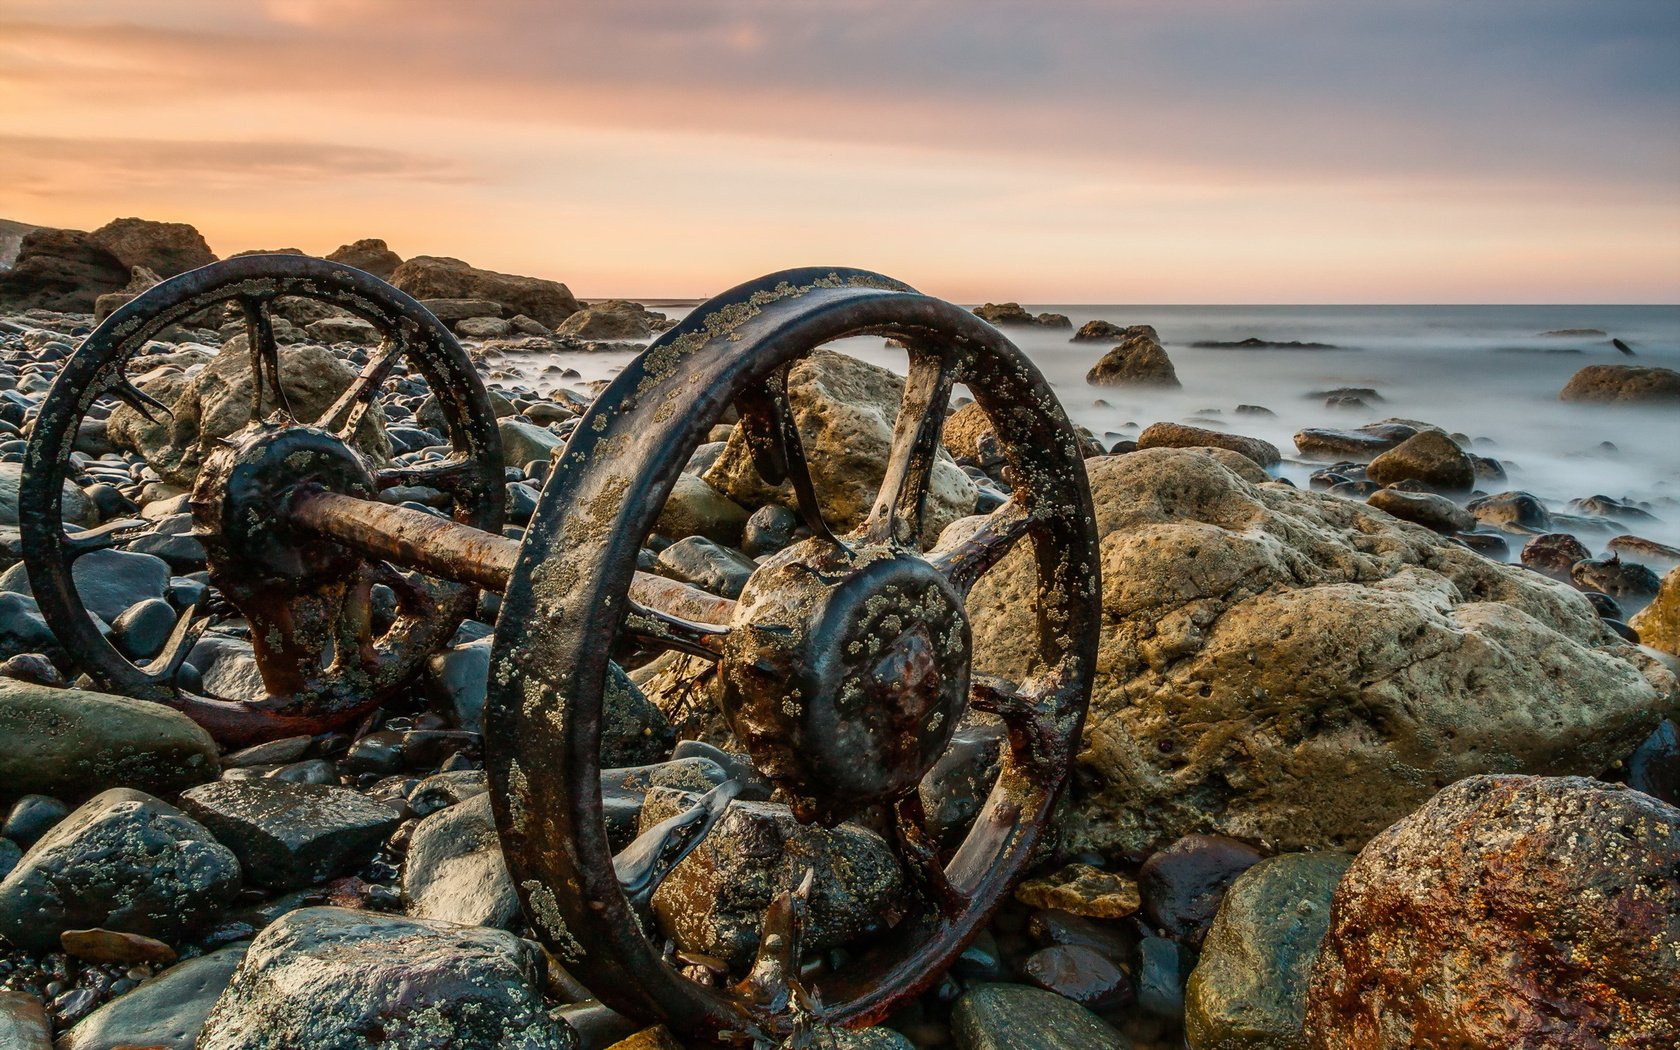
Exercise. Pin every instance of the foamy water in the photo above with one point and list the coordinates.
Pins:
(1484, 371)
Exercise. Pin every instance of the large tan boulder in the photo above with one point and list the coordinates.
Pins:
(1182, 435)
(59, 270)
(613, 320)
(1287, 666)
(440, 277)
(165, 248)
(1613, 383)
(1658, 624)
(845, 409)
(370, 254)
(216, 402)
(1138, 361)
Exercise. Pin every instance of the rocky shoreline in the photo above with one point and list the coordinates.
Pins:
(1334, 790)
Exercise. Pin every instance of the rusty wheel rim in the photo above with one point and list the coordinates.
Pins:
(568, 598)
(304, 703)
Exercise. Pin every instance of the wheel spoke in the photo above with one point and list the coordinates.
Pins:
(105, 536)
(897, 514)
(123, 389)
(345, 415)
(662, 629)
(454, 476)
(773, 984)
(964, 563)
(188, 630)
(645, 863)
(772, 434)
(265, 356)
(918, 850)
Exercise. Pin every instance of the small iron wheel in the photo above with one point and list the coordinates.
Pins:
(845, 663)
(307, 598)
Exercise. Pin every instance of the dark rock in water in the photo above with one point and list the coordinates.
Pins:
(1256, 410)
(123, 861)
(454, 871)
(1423, 508)
(288, 835)
(32, 667)
(1654, 767)
(1249, 988)
(442, 790)
(1604, 506)
(1488, 469)
(31, 817)
(332, 977)
(1256, 343)
(1079, 974)
(1615, 577)
(1162, 969)
(715, 899)
(1574, 333)
(1511, 511)
(1430, 457)
(1623, 347)
(1015, 314)
(707, 565)
(1554, 554)
(23, 1022)
(165, 1012)
(1362, 444)
(1610, 384)
(1183, 883)
(1178, 435)
(695, 508)
(1107, 331)
(1606, 606)
(1546, 907)
(141, 631)
(1113, 941)
(1345, 402)
(108, 581)
(10, 854)
(81, 742)
(1659, 556)
(1017, 1017)
(1627, 633)
(1362, 393)
(1486, 544)
(1139, 361)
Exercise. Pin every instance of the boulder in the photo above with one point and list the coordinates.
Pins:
(523, 442)
(72, 743)
(969, 434)
(333, 977)
(440, 277)
(216, 403)
(1361, 445)
(1428, 457)
(163, 1013)
(454, 870)
(1109, 332)
(1288, 666)
(123, 861)
(694, 508)
(108, 581)
(1139, 361)
(140, 280)
(288, 835)
(1016, 1017)
(715, 899)
(1423, 508)
(23, 1022)
(615, 320)
(1609, 384)
(1180, 435)
(1249, 989)
(59, 270)
(1658, 624)
(165, 248)
(1513, 511)
(370, 254)
(1509, 911)
(845, 410)
(1015, 314)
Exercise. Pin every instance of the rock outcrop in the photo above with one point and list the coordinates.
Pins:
(440, 277)
(165, 248)
(1622, 383)
(370, 254)
(1292, 667)
(59, 270)
(615, 320)
(1139, 360)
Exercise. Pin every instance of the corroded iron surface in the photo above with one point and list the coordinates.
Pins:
(865, 635)
(321, 663)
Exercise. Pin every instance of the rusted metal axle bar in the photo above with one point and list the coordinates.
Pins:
(449, 550)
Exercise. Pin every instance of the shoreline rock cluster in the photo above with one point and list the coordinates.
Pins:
(1340, 737)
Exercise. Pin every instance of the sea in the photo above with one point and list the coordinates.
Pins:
(1491, 373)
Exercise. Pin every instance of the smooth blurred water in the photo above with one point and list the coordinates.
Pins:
(1484, 371)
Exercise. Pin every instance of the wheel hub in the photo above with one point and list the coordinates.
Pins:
(845, 673)
(238, 497)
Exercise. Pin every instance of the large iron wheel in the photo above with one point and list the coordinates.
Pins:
(864, 729)
(307, 600)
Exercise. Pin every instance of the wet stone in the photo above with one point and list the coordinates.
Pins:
(141, 631)
(1113, 941)
(454, 870)
(769, 529)
(1082, 890)
(31, 817)
(114, 946)
(166, 1011)
(289, 835)
(1554, 554)
(123, 861)
(1654, 767)
(273, 752)
(1017, 1017)
(1249, 989)
(707, 565)
(1617, 578)
(1080, 974)
(1429, 457)
(1513, 511)
(328, 977)
(1423, 508)
(1161, 973)
(108, 581)
(23, 1022)
(1183, 883)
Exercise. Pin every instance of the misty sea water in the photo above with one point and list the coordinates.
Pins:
(1488, 372)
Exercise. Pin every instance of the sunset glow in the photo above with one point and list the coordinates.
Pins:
(1058, 152)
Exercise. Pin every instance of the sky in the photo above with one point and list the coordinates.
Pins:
(1058, 151)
